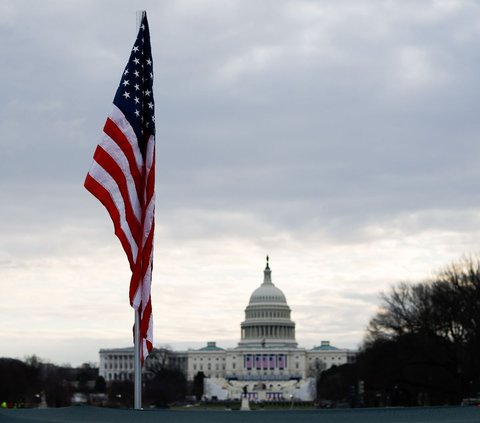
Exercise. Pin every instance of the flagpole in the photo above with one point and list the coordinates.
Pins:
(137, 402)
(137, 364)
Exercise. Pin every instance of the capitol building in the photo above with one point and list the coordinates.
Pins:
(268, 364)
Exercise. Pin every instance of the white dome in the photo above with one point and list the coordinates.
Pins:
(267, 317)
(267, 293)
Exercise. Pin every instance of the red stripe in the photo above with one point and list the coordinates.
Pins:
(145, 321)
(104, 197)
(142, 263)
(114, 132)
(147, 250)
(136, 278)
(113, 169)
(142, 260)
(150, 188)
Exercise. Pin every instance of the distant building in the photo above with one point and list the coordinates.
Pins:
(117, 363)
(267, 363)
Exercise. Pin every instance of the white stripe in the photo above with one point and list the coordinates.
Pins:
(137, 298)
(150, 153)
(98, 173)
(147, 283)
(142, 294)
(149, 337)
(149, 213)
(117, 154)
(121, 121)
(143, 290)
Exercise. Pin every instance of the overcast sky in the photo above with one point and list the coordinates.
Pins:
(339, 137)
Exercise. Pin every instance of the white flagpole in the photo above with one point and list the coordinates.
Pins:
(137, 401)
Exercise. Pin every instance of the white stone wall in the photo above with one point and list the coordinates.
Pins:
(116, 364)
(211, 363)
(323, 360)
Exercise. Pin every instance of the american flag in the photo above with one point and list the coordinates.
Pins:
(122, 175)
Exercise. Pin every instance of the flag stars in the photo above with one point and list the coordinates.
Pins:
(136, 92)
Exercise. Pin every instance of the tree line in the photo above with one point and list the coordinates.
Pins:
(421, 348)
(31, 382)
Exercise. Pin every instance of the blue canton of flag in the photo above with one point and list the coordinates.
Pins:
(134, 96)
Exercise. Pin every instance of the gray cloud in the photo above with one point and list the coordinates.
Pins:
(339, 137)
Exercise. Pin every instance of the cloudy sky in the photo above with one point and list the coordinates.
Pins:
(339, 137)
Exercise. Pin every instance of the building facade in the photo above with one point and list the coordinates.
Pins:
(268, 364)
(116, 364)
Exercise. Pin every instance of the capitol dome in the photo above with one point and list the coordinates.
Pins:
(267, 292)
(267, 317)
